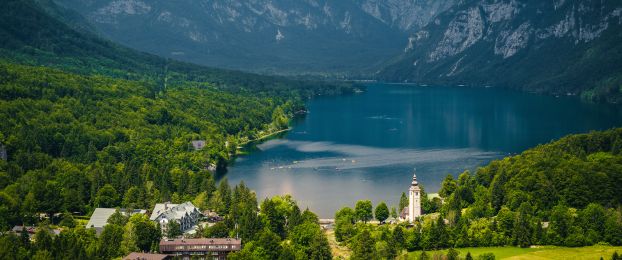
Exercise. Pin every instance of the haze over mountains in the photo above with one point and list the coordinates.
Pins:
(561, 47)
(264, 35)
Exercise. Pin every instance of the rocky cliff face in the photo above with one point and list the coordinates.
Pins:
(407, 16)
(305, 35)
(561, 46)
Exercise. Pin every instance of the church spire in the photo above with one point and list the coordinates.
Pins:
(414, 199)
(414, 182)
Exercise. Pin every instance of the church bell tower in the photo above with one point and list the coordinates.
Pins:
(414, 200)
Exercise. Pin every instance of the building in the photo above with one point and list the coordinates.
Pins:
(198, 144)
(200, 248)
(186, 214)
(32, 230)
(146, 256)
(100, 217)
(413, 211)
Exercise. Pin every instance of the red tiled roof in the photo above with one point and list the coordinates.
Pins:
(201, 241)
(145, 256)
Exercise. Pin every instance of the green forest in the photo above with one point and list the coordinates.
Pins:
(77, 142)
(565, 193)
(87, 123)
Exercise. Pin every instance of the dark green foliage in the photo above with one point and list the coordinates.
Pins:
(448, 186)
(217, 230)
(275, 220)
(363, 246)
(67, 221)
(118, 218)
(173, 229)
(522, 226)
(100, 125)
(344, 224)
(304, 237)
(107, 197)
(438, 234)
(403, 201)
(110, 241)
(468, 256)
(43, 240)
(364, 210)
(320, 249)
(145, 232)
(398, 237)
(487, 256)
(269, 241)
(514, 202)
(382, 212)
(453, 254)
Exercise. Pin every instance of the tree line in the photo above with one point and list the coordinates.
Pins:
(565, 193)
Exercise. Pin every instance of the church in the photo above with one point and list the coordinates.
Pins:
(413, 210)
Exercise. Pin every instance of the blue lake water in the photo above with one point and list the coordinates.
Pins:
(365, 146)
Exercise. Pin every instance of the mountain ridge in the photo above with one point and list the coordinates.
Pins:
(558, 47)
(260, 35)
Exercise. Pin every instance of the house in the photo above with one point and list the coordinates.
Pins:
(200, 248)
(198, 144)
(186, 214)
(146, 256)
(32, 230)
(101, 215)
(212, 216)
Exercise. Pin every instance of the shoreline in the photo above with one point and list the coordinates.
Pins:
(265, 136)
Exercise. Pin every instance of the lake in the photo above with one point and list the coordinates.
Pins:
(366, 146)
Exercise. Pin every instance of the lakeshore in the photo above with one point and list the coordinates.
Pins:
(364, 146)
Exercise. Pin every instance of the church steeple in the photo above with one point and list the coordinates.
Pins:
(414, 199)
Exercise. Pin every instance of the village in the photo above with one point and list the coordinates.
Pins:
(188, 222)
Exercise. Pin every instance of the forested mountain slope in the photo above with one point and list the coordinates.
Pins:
(269, 36)
(32, 36)
(107, 116)
(564, 193)
(559, 47)
(88, 123)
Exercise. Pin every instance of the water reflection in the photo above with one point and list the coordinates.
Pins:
(365, 146)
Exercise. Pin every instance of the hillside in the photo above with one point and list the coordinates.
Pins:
(266, 36)
(558, 47)
(32, 36)
(89, 123)
(564, 193)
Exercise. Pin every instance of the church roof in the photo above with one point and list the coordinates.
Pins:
(415, 183)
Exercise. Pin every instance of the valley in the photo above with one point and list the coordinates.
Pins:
(312, 129)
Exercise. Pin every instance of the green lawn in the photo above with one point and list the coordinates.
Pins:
(545, 252)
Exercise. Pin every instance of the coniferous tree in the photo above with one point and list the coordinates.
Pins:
(522, 226)
(403, 201)
(364, 246)
(452, 254)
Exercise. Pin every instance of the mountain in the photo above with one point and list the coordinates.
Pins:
(560, 47)
(33, 34)
(263, 35)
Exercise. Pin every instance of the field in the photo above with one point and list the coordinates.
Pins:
(540, 253)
